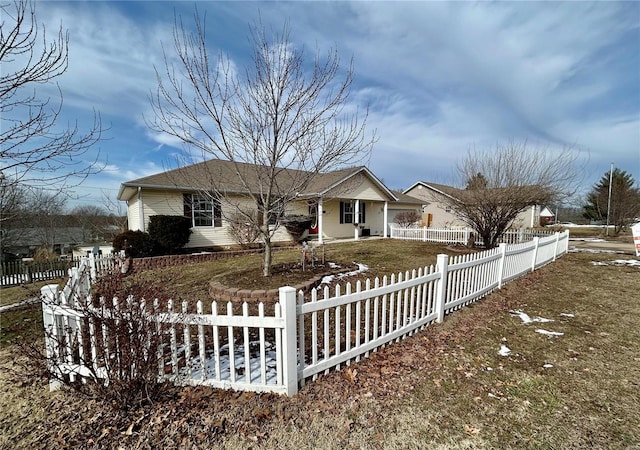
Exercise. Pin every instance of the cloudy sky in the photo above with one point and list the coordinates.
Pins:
(439, 77)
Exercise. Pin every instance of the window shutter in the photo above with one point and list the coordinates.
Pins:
(341, 212)
(362, 212)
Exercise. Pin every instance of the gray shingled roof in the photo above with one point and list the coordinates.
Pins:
(404, 198)
(224, 175)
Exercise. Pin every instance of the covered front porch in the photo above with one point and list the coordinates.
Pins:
(347, 219)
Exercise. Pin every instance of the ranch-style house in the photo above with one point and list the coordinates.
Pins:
(347, 203)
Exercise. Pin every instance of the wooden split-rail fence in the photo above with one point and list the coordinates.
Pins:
(246, 347)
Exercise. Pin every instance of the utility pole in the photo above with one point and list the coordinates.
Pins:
(609, 201)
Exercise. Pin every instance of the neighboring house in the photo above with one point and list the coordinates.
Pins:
(97, 248)
(23, 242)
(437, 212)
(547, 215)
(405, 203)
(347, 203)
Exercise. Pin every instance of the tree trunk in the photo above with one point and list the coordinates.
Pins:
(266, 263)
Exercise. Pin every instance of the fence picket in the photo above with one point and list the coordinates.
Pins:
(357, 324)
(186, 333)
(247, 353)
(314, 330)
(263, 356)
(231, 345)
(367, 315)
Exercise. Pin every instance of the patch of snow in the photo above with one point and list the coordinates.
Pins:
(548, 366)
(19, 304)
(221, 363)
(525, 317)
(588, 239)
(567, 315)
(488, 369)
(333, 265)
(618, 262)
(549, 333)
(329, 278)
(592, 250)
(504, 350)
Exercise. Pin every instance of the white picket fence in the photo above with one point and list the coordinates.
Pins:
(461, 235)
(300, 339)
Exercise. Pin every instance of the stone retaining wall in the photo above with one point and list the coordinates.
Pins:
(221, 293)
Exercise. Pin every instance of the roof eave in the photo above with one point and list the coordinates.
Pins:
(369, 173)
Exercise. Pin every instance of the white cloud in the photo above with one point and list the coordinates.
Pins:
(439, 76)
(111, 55)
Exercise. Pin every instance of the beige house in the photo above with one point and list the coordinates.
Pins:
(348, 203)
(437, 212)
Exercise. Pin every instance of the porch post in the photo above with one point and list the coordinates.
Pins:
(385, 218)
(319, 219)
(356, 215)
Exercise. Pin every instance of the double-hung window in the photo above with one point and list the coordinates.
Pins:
(203, 210)
(348, 212)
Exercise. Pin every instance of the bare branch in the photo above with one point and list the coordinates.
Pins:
(503, 182)
(276, 123)
(34, 149)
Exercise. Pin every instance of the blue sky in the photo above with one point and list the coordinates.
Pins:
(439, 77)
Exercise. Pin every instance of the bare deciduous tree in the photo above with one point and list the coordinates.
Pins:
(34, 149)
(502, 182)
(280, 121)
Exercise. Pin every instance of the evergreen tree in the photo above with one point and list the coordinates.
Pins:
(625, 200)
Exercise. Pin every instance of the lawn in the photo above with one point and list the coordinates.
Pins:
(445, 387)
(191, 281)
(15, 294)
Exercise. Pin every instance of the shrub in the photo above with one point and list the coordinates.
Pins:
(120, 363)
(171, 232)
(296, 225)
(242, 230)
(136, 244)
(407, 218)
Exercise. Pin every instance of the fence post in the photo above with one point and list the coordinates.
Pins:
(49, 296)
(441, 288)
(92, 266)
(287, 298)
(503, 258)
(555, 247)
(536, 240)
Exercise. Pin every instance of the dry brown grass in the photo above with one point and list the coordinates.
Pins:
(432, 390)
(191, 281)
(15, 294)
